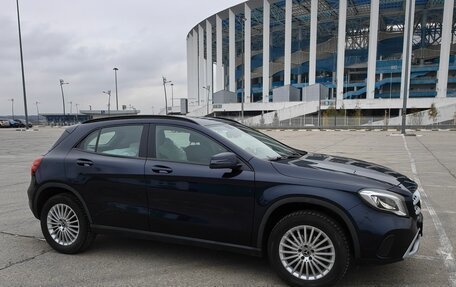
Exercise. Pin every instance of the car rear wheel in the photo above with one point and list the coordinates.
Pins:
(65, 225)
(309, 248)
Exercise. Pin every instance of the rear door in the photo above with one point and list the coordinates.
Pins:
(188, 198)
(107, 169)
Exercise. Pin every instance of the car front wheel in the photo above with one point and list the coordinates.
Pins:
(65, 225)
(309, 248)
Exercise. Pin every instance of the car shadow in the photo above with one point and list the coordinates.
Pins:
(237, 264)
(176, 255)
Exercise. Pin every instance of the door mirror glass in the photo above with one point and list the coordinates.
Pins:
(224, 160)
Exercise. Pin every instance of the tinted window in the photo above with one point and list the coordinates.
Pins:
(120, 140)
(184, 145)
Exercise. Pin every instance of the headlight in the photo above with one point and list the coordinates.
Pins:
(385, 201)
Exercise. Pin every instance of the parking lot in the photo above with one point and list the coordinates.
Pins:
(26, 259)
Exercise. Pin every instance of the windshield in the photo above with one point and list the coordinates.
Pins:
(254, 142)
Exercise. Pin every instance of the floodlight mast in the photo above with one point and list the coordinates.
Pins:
(62, 82)
(165, 81)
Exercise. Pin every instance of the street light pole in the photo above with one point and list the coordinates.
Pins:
(406, 57)
(37, 110)
(22, 65)
(12, 107)
(166, 98)
(208, 88)
(62, 82)
(109, 100)
(77, 111)
(243, 19)
(71, 107)
(172, 95)
(117, 97)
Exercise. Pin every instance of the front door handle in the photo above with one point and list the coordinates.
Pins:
(84, 162)
(161, 169)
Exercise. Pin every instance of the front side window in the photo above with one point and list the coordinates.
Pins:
(253, 142)
(120, 141)
(184, 145)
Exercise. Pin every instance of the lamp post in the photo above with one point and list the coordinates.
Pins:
(243, 19)
(77, 111)
(71, 107)
(408, 31)
(37, 110)
(62, 82)
(109, 100)
(208, 88)
(166, 98)
(12, 107)
(172, 95)
(115, 79)
(22, 65)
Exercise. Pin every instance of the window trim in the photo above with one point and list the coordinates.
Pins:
(142, 143)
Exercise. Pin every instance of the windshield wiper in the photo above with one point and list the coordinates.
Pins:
(289, 156)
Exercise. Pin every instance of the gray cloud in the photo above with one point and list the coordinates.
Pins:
(81, 41)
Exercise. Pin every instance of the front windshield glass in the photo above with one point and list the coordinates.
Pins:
(254, 142)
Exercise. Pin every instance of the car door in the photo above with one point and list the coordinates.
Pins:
(107, 169)
(186, 197)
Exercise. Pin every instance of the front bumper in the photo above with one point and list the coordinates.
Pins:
(385, 237)
(414, 246)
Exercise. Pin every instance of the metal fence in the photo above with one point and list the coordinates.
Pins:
(349, 122)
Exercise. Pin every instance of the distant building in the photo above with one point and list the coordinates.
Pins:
(84, 115)
(296, 57)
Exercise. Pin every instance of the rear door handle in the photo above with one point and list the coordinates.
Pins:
(161, 169)
(84, 162)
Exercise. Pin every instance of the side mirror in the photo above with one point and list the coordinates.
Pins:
(224, 160)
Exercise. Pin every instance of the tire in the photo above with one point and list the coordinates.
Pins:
(65, 225)
(329, 255)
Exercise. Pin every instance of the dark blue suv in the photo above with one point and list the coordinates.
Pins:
(216, 183)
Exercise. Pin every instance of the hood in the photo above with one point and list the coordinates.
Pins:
(354, 168)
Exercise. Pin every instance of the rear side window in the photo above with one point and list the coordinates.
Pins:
(119, 141)
(90, 142)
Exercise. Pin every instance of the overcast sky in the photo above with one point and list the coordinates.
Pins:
(82, 41)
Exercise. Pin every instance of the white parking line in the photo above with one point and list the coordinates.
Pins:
(446, 249)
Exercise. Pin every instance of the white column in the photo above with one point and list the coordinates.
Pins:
(266, 48)
(247, 53)
(195, 66)
(287, 52)
(447, 25)
(209, 61)
(372, 56)
(341, 51)
(232, 52)
(219, 39)
(201, 65)
(189, 65)
(313, 41)
(406, 84)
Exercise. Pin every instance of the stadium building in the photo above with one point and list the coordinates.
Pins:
(290, 59)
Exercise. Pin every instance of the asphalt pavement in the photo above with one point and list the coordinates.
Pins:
(26, 259)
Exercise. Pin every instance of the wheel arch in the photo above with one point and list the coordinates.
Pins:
(48, 190)
(286, 206)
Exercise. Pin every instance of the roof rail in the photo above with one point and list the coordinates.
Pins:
(139, 117)
(222, 119)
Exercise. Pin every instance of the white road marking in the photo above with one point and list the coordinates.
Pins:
(446, 249)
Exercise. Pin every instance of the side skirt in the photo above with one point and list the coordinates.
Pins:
(167, 238)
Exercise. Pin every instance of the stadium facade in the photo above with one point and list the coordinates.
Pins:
(297, 57)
